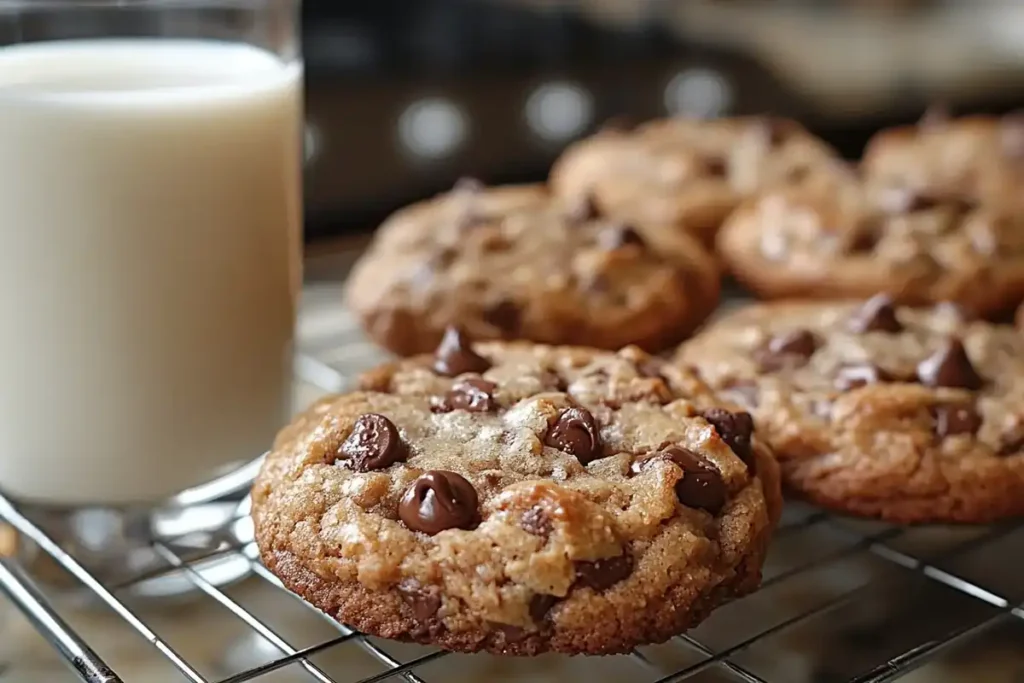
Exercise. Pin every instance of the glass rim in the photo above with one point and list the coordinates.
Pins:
(7, 6)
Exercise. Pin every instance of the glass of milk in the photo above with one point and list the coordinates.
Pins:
(150, 207)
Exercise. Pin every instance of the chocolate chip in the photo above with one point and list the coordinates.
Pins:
(374, 444)
(575, 432)
(949, 367)
(791, 349)
(439, 500)
(506, 316)
(603, 574)
(701, 487)
(620, 237)
(425, 601)
(540, 606)
(735, 429)
(455, 356)
(1012, 442)
(552, 380)
(535, 521)
(584, 209)
(857, 376)
(955, 418)
(773, 130)
(878, 314)
(473, 394)
(467, 185)
(904, 200)
(716, 167)
(937, 115)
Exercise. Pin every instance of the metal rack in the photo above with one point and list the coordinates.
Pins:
(842, 600)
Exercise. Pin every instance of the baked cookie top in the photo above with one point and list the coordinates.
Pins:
(838, 238)
(973, 157)
(516, 263)
(687, 173)
(519, 498)
(909, 414)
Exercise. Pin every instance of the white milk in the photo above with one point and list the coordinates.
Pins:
(150, 216)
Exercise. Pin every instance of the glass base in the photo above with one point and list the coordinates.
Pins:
(201, 538)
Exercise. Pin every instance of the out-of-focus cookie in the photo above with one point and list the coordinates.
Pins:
(980, 158)
(517, 263)
(687, 173)
(844, 239)
(518, 499)
(911, 415)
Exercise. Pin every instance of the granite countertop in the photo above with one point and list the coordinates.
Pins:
(841, 597)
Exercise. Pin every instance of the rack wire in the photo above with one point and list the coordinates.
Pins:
(842, 600)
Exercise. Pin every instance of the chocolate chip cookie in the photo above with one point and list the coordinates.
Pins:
(517, 263)
(908, 414)
(844, 239)
(687, 173)
(517, 499)
(980, 158)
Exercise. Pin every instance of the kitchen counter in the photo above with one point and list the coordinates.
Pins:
(850, 595)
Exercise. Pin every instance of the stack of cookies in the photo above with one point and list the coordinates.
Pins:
(531, 477)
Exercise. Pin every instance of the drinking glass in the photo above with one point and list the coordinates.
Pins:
(150, 192)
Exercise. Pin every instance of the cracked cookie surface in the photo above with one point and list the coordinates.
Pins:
(688, 174)
(840, 238)
(519, 498)
(908, 414)
(517, 263)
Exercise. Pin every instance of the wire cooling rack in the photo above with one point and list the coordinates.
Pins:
(842, 600)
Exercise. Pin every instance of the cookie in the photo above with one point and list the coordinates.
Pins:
(842, 239)
(907, 414)
(687, 173)
(518, 499)
(517, 263)
(976, 157)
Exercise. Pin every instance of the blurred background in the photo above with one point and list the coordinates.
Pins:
(405, 97)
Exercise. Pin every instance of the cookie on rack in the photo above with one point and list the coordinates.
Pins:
(841, 238)
(907, 414)
(517, 499)
(517, 263)
(687, 173)
(980, 158)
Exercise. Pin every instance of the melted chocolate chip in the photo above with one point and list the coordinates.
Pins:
(603, 574)
(956, 418)
(584, 209)
(773, 130)
(513, 634)
(424, 601)
(575, 432)
(467, 185)
(735, 429)
(506, 316)
(473, 394)
(701, 487)
(651, 367)
(535, 521)
(439, 500)
(904, 200)
(455, 356)
(791, 349)
(540, 606)
(878, 314)
(857, 376)
(620, 237)
(716, 167)
(374, 444)
(949, 367)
